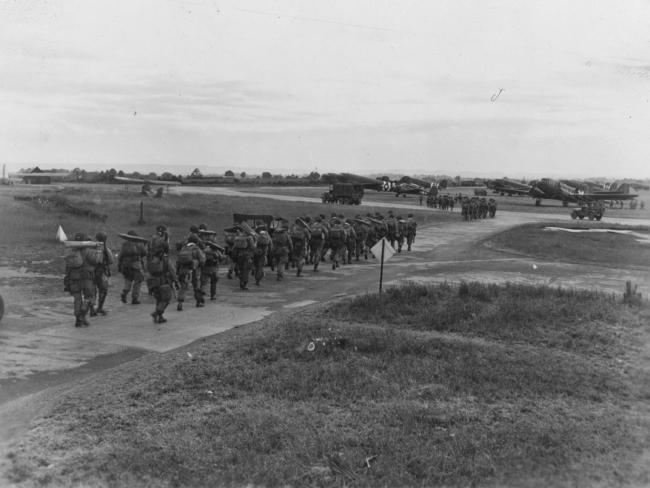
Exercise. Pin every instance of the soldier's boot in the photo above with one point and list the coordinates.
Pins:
(84, 320)
(161, 319)
(213, 291)
(154, 316)
(93, 312)
(78, 321)
(200, 303)
(100, 304)
(179, 307)
(123, 296)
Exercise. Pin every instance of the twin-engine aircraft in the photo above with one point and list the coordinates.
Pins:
(577, 192)
(506, 186)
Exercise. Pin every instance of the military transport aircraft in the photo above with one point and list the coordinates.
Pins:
(565, 192)
(412, 186)
(506, 186)
(370, 183)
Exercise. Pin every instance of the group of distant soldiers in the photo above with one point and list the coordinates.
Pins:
(194, 263)
(476, 208)
(443, 202)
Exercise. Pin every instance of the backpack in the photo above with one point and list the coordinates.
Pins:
(297, 234)
(317, 231)
(74, 259)
(130, 248)
(186, 256)
(158, 245)
(241, 242)
(280, 239)
(263, 240)
(155, 265)
(337, 234)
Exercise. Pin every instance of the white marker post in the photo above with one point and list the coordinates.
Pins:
(386, 251)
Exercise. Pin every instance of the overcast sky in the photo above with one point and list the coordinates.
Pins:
(503, 87)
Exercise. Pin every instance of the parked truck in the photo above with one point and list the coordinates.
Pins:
(344, 193)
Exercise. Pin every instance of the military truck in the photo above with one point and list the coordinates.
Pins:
(344, 193)
(590, 210)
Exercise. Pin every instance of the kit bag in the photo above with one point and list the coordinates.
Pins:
(186, 256)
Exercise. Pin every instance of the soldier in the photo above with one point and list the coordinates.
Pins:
(210, 270)
(102, 273)
(262, 249)
(318, 234)
(129, 263)
(78, 280)
(282, 246)
(361, 233)
(411, 228)
(162, 278)
(338, 239)
(159, 243)
(391, 225)
(300, 241)
(190, 258)
(401, 232)
(243, 251)
(350, 241)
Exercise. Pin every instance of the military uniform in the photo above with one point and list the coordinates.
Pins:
(262, 249)
(317, 241)
(243, 249)
(282, 246)
(129, 263)
(210, 270)
(190, 258)
(102, 273)
(160, 282)
(411, 228)
(79, 279)
(300, 242)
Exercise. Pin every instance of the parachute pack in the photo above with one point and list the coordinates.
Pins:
(74, 258)
(337, 234)
(263, 240)
(186, 256)
(241, 242)
(280, 239)
(155, 265)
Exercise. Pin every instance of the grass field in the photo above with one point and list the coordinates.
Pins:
(476, 385)
(602, 248)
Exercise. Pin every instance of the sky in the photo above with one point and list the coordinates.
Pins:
(457, 87)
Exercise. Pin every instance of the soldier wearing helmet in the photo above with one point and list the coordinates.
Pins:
(102, 273)
(189, 261)
(161, 273)
(129, 263)
(79, 278)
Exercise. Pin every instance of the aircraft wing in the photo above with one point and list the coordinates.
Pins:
(141, 181)
(607, 196)
(124, 179)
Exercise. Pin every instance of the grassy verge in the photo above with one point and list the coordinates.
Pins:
(341, 396)
(602, 248)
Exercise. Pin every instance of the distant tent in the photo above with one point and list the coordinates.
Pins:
(60, 235)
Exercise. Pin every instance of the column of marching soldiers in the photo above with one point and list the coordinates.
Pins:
(194, 265)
